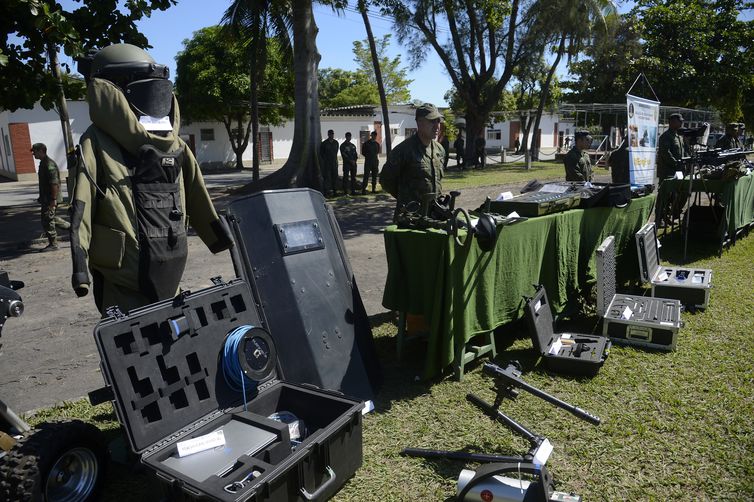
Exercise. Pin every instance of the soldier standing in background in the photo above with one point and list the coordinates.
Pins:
(445, 142)
(348, 152)
(50, 195)
(670, 149)
(578, 165)
(459, 146)
(730, 140)
(328, 154)
(370, 150)
(414, 167)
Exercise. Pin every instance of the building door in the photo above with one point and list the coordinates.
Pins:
(264, 143)
(515, 130)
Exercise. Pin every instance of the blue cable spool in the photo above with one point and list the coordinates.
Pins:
(249, 356)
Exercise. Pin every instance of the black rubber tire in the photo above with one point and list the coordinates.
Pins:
(27, 468)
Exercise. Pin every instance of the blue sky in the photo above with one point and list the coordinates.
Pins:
(167, 30)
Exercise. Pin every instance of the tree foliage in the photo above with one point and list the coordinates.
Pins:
(338, 87)
(28, 27)
(213, 84)
(394, 77)
(697, 53)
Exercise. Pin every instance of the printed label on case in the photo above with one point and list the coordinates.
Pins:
(626, 314)
(201, 443)
(543, 453)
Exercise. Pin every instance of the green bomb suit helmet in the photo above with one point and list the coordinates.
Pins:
(144, 82)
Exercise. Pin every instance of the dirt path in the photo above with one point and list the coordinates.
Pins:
(48, 355)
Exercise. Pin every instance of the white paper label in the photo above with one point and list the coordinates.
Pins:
(368, 406)
(514, 214)
(537, 306)
(504, 196)
(679, 175)
(543, 453)
(565, 336)
(201, 443)
(663, 276)
(627, 314)
(555, 347)
(155, 124)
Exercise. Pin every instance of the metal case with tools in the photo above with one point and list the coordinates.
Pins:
(573, 353)
(633, 320)
(643, 321)
(167, 365)
(536, 203)
(689, 285)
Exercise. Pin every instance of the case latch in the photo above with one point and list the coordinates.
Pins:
(217, 280)
(114, 311)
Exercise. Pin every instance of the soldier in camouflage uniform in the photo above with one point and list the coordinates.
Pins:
(348, 152)
(578, 165)
(670, 149)
(50, 194)
(370, 150)
(414, 167)
(328, 154)
(730, 140)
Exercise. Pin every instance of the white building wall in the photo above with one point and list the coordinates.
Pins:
(44, 127)
(7, 163)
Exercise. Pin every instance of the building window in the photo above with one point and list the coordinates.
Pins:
(207, 134)
(394, 131)
(410, 131)
(494, 134)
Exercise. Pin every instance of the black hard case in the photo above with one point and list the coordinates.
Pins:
(599, 195)
(170, 388)
(691, 286)
(290, 249)
(540, 323)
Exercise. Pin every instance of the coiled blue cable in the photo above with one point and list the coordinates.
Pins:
(234, 375)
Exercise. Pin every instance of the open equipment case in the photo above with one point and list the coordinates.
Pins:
(572, 353)
(593, 195)
(689, 285)
(165, 365)
(630, 319)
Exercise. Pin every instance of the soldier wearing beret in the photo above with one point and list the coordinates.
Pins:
(670, 149)
(578, 165)
(730, 140)
(414, 167)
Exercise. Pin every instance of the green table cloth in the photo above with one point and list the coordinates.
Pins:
(736, 197)
(463, 291)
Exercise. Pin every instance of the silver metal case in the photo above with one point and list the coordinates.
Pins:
(691, 286)
(643, 321)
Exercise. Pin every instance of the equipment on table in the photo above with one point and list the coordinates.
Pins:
(536, 203)
(486, 483)
(196, 387)
(633, 320)
(290, 250)
(593, 194)
(689, 285)
(572, 353)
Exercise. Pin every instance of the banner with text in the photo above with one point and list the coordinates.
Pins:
(643, 116)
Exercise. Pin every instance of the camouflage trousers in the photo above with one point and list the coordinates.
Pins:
(48, 223)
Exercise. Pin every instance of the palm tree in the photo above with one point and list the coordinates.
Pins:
(570, 25)
(255, 21)
(364, 9)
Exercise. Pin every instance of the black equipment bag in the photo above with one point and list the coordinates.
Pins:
(165, 364)
(290, 249)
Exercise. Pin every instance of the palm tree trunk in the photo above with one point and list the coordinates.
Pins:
(302, 167)
(377, 74)
(545, 92)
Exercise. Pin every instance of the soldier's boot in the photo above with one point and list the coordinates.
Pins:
(52, 246)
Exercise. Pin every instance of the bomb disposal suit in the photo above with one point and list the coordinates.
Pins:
(138, 186)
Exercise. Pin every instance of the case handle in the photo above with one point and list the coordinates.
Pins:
(319, 491)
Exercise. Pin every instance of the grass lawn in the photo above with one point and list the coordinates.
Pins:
(675, 426)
